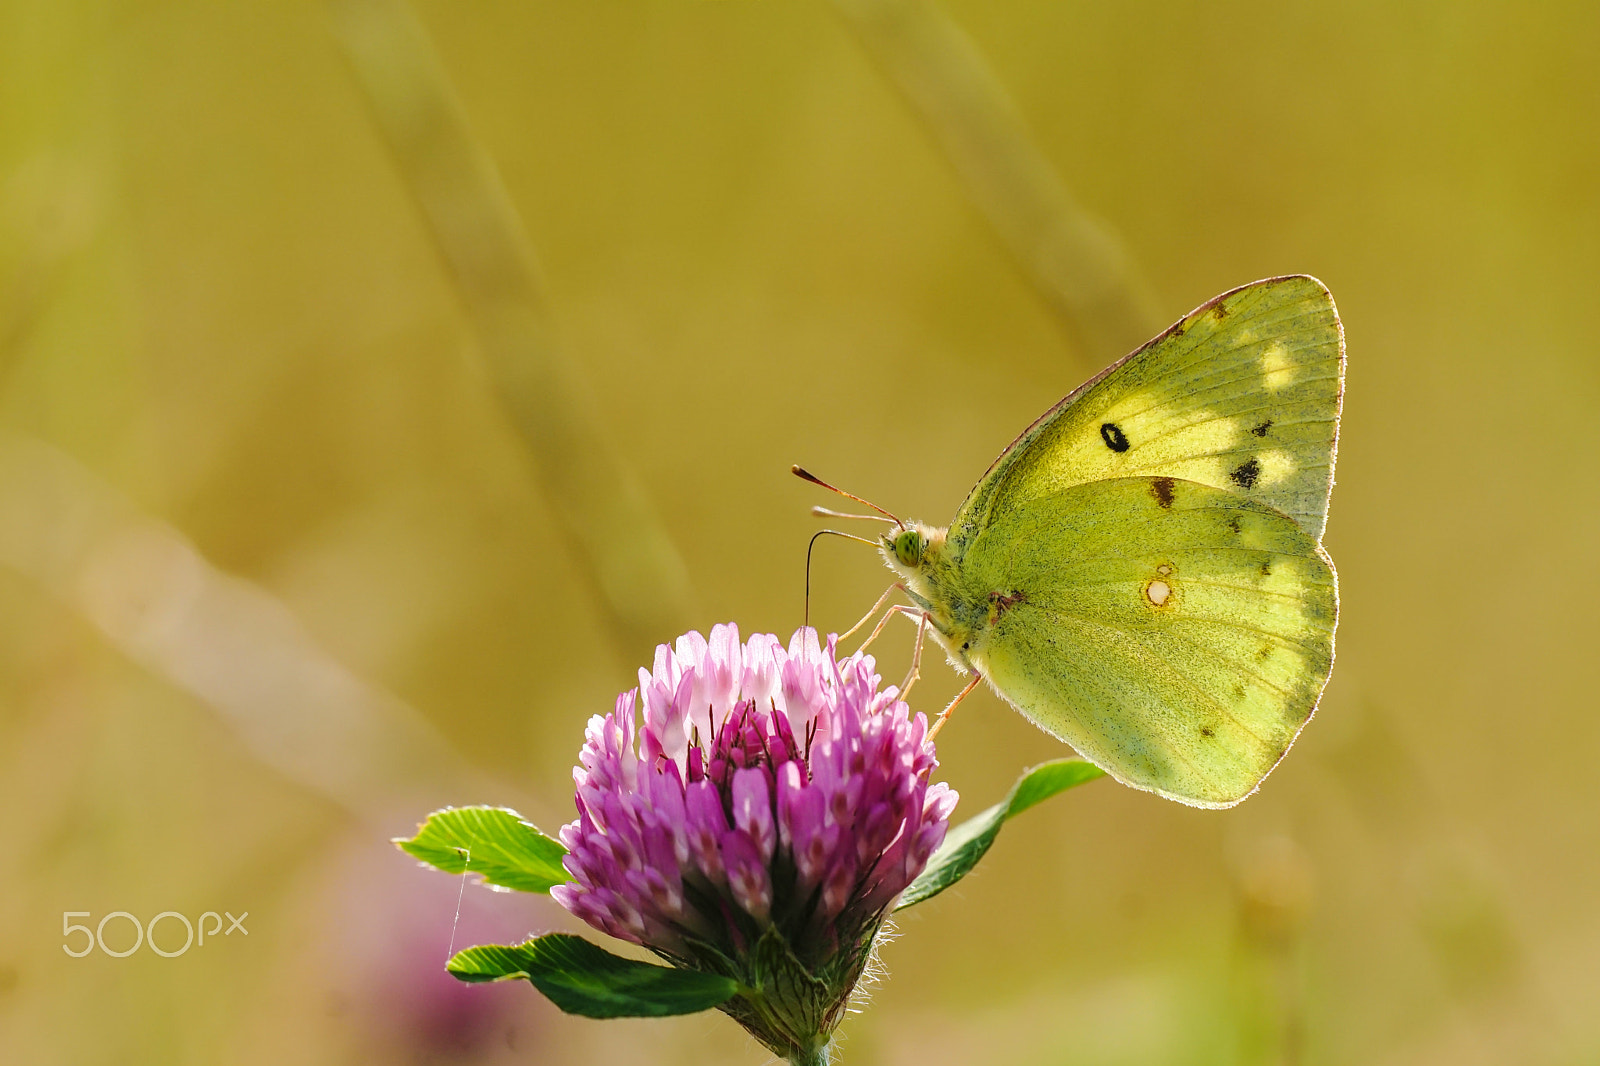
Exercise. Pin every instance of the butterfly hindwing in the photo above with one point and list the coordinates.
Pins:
(1243, 394)
(1176, 634)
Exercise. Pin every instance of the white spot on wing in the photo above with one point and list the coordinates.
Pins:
(1157, 592)
(1277, 367)
(1276, 466)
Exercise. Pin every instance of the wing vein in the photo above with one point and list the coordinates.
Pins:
(1150, 657)
(1196, 391)
(1231, 624)
(1089, 681)
(1240, 414)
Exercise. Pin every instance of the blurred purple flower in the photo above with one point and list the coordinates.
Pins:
(761, 823)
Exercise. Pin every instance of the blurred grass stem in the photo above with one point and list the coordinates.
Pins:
(641, 579)
(226, 641)
(1077, 264)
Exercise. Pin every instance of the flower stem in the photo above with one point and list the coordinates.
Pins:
(819, 1055)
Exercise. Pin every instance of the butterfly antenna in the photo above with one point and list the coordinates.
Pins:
(828, 512)
(812, 544)
(805, 475)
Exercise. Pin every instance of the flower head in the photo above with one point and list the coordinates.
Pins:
(760, 824)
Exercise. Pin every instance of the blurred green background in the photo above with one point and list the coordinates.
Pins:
(282, 549)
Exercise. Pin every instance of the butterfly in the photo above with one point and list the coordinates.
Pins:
(1141, 572)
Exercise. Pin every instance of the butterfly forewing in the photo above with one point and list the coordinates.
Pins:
(1176, 634)
(1243, 394)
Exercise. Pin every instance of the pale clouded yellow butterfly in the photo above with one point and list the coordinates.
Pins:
(1141, 572)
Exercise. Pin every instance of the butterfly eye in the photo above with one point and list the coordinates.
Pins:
(908, 547)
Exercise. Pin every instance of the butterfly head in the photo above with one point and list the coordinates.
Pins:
(909, 548)
(917, 553)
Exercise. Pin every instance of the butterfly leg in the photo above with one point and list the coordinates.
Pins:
(916, 654)
(874, 609)
(945, 714)
(877, 630)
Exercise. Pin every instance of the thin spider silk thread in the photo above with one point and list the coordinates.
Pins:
(451, 951)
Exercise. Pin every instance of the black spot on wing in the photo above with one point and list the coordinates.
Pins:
(1220, 310)
(1112, 434)
(1246, 473)
(1161, 489)
(1233, 523)
(1261, 430)
(1207, 731)
(1266, 567)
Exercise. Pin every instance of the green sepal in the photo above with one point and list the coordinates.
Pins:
(581, 978)
(786, 1007)
(968, 842)
(492, 842)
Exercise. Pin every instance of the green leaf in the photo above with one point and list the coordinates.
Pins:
(492, 842)
(968, 842)
(581, 978)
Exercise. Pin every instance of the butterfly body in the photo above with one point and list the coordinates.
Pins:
(1141, 573)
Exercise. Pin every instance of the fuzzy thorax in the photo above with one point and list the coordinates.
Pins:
(957, 619)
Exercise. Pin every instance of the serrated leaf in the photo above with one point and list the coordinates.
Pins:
(968, 842)
(492, 842)
(581, 978)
